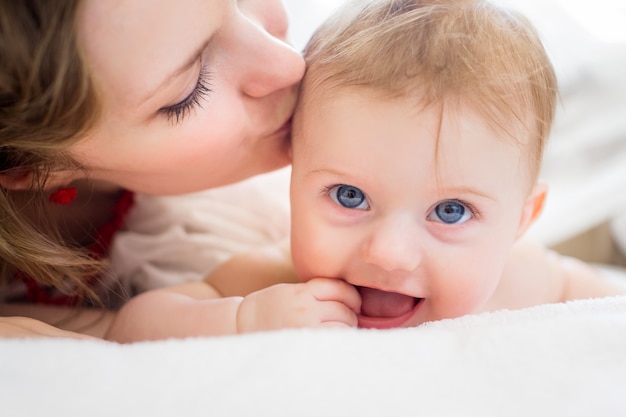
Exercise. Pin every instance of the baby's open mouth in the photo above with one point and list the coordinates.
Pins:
(384, 310)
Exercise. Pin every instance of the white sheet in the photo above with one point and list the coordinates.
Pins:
(552, 360)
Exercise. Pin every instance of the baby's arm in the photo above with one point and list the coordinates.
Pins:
(191, 309)
(535, 275)
(274, 299)
(245, 273)
(247, 296)
(581, 280)
(195, 309)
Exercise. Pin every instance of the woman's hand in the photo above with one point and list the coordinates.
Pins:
(320, 302)
(52, 320)
(24, 327)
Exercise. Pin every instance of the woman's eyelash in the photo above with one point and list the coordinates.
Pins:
(177, 112)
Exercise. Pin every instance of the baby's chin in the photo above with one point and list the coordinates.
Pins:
(386, 310)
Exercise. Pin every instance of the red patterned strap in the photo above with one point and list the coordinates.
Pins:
(39, 294)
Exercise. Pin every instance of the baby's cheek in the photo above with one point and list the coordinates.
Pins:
(300, 259)
(470, 293)
(310, 259)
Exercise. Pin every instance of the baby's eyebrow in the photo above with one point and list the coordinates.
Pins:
(326, 171)
(465, 190)
(346, 176)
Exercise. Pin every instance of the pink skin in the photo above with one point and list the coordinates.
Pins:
(408, 265)
(147, 56)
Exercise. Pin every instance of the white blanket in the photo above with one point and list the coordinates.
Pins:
(552, 360)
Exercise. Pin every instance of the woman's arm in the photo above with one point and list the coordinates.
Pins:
(43, 319)
(26, 327)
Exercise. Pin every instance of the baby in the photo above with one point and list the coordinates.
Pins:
(416, 149)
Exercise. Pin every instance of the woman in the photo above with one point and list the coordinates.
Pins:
(102, 97)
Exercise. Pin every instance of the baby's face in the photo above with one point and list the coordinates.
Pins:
(416, 208)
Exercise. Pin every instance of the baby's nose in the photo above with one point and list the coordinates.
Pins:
(394, 244)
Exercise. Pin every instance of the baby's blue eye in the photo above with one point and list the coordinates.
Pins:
(348, 197)
(450, 212)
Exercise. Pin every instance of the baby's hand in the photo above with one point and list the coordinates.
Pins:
(320, 302)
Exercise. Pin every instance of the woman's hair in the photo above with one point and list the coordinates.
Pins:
(436, 50)
(47, 102)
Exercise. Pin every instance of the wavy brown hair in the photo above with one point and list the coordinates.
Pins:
(47, 102)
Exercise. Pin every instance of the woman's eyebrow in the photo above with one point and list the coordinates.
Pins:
(188, 63)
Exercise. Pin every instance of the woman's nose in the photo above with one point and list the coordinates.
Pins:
(394, 245)
(270, 14)
(269, 63)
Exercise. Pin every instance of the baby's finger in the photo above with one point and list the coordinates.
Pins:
(329, 289)
(335, 325)
(338, 312)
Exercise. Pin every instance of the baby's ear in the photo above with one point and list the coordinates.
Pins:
(16, 179)
(532, 207)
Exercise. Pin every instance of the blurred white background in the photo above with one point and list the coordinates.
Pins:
(585, 161)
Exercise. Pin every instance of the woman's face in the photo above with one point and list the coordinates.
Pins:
(195, 93)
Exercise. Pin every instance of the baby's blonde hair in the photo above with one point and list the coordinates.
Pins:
(434, 50)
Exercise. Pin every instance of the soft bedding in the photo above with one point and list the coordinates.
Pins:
(551, 360)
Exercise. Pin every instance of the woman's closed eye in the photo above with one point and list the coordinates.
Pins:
(451, 212)
(176, 113)
(348, 196)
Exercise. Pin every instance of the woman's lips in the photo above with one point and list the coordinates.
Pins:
(384, 310)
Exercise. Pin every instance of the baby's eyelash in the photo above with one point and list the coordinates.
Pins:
(177, 112)
(326, 189)
(472, 209)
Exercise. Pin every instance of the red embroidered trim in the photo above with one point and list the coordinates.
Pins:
(39, 294)
(63, 196)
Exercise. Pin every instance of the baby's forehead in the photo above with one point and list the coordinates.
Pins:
(318, 101)
(513, 121)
